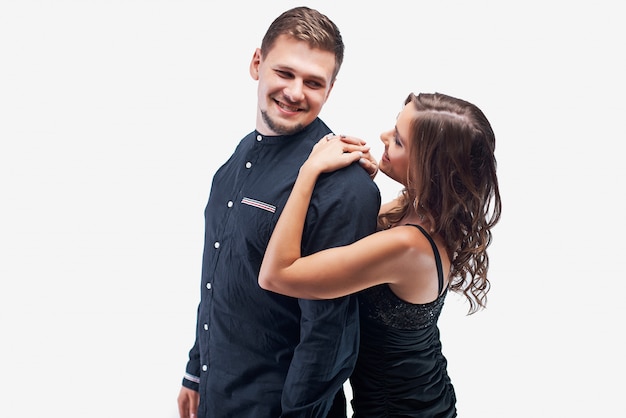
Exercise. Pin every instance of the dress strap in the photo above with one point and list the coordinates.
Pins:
(437, 256)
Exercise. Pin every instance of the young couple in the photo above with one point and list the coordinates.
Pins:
(307, 280)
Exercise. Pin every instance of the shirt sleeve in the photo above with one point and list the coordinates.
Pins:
(191, 379)
(343, 209)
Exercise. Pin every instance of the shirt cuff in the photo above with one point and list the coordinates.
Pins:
(191, 382)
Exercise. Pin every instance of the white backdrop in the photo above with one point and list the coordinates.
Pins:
(114, 115)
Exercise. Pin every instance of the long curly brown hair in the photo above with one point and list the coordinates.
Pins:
(453, 185)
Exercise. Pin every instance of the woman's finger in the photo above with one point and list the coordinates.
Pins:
(352, 140)
(370, 166)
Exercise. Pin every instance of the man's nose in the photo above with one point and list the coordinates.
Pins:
(295, 90)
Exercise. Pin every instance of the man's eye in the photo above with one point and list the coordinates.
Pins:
(314, 85)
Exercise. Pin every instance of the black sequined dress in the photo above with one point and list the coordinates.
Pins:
(401, 371)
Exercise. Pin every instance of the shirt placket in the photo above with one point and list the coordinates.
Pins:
(222, 237)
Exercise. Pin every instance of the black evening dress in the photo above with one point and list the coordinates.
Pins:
(401, 371)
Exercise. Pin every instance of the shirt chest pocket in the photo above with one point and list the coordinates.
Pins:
(255, 223)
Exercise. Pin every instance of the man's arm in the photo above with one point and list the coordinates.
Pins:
(189, 397)
(343, 209)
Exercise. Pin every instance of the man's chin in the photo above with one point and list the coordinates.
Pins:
(281, 128)
(289, 130)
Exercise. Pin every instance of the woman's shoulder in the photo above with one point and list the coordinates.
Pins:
(411, 237)
(418, 281)
(403, 242)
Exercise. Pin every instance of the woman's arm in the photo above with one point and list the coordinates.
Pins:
(334, 272)
(284, 246)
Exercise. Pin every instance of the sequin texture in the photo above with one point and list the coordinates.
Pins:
(380, 304)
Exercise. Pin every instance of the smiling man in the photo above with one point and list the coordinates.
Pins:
(258, 353)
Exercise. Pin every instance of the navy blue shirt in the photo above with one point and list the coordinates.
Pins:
(259, 354)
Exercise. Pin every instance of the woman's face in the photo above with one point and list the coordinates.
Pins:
(395, 160)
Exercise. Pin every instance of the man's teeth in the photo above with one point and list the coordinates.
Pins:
(289, 108)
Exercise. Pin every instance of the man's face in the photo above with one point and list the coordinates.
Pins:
(294, 83)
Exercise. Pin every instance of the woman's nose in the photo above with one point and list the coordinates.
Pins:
(385, 137)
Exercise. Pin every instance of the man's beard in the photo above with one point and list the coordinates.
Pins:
(280, 129)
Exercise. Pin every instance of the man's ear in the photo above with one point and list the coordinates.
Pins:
(254, 64)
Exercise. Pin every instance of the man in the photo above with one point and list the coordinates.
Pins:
(259, 354)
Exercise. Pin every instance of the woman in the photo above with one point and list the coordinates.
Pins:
(432, 238)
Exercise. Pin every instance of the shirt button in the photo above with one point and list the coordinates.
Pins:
(206, 327)
(259, 138)
(204, 368)
(248, 164)
(230, 204)
(208, 286)
(216, 244)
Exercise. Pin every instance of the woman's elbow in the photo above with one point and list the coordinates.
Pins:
(265, 280)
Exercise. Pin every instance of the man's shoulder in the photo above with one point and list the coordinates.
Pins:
(349, 201)
(351, 176)
(351, 182)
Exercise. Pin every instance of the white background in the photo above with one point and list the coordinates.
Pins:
(114, 115)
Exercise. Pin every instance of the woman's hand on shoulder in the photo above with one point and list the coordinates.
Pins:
(367, 161)
(333, 152)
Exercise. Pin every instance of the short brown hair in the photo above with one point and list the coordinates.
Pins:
(308, 25)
